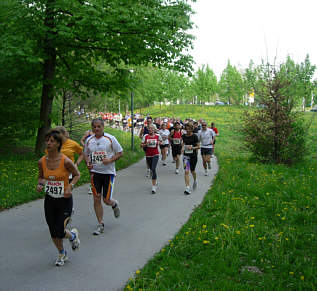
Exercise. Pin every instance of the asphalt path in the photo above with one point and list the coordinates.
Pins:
(104, 262)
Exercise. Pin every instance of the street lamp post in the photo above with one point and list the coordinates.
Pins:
(132, 117)
(132, 128)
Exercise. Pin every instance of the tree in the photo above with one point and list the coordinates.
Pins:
(231, 86)
(69, 38)
(275, 133)
(204, 84)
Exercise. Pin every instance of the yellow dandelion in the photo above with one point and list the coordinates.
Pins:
(204, 226)
(302, 278)
(238, 232)
(251, 225)
(216, 238)
(162, 269)
(206, 242)
(283, 218)
(138, 272)
(291, 273)
(162, 250)
(252, 217)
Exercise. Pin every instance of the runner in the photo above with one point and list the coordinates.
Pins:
(176, 144)
(206, 137)
(101, 152)
(70, 147)
(190, 147)
(164, 133)
(143, 132)
(54, 170)
(151, 142)
(216, 134)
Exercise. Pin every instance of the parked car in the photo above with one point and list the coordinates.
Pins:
(219, 103)
(314, 109)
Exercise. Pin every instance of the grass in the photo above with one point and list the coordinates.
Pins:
(19, 170)
(256, 228)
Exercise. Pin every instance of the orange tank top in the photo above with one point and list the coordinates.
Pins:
(57, 180)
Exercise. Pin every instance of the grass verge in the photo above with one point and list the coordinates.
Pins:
(19, 171)
(256, 228)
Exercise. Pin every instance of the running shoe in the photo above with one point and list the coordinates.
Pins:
(75, 243)
(153, 189)
(176, 171)
(61, 259)
(173, 162)
(164, 164)
(100, 229)
(90, 191)
(206, 172)
(209, 166)
(116, 210)
(187, 190)
(148, 173)
(194, 185)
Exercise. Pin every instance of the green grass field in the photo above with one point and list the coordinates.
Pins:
(256, 228)
(19, 170)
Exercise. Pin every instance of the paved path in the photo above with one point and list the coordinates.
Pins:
(104, 262)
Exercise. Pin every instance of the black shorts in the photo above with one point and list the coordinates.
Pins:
(102, 184)
(57, 214)
(206, 151)
(162, 146)
(176, 150)
(190, 162)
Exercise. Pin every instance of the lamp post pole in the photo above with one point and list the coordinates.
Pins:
(132, 123)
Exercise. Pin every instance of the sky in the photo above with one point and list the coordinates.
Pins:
(241, 30)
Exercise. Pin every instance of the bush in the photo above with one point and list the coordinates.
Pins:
(274, 133)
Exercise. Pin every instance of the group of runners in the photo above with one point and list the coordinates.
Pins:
(182, 138)
(58, 170)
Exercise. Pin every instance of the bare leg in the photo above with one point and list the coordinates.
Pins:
(187, 178)
(98, 208)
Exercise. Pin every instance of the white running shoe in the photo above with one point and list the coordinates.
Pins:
(61, 259)
(75, 243)
(206, 172)
(164, 164)
(148, 173)
(187, 190)
(176, 171)
(100, 229)
(116, 210)
(90, 191)
(194, 185)
(154, 189)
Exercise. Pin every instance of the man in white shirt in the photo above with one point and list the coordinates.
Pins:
(206, 138)
(101, 152)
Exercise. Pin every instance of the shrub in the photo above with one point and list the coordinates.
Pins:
(275, 133)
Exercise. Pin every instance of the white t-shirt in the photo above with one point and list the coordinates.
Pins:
(98, 148)
(205, 137)
(164, 133)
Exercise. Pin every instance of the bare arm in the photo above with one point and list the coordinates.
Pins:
(41, 180)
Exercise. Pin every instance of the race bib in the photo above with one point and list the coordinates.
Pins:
(164, 137)
(176, 141)
(97, 157)
(55, 189)
(151, 143)
(188, 149)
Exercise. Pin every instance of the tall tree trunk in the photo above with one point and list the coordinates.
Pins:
(64, 108)
(48, 78)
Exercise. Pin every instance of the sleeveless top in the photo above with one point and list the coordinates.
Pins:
(176, 138)
(56, 181)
